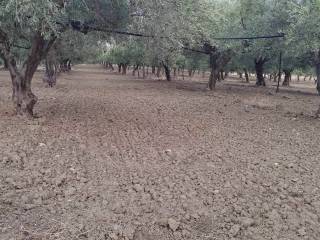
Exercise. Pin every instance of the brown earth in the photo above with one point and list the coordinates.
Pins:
(116, 157)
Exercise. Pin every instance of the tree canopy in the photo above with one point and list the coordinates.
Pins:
(161, 33)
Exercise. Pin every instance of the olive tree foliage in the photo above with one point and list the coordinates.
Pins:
(260, 18)
(70, 48)
(297, 19)
(123, 54)
(171, 28)
(305, 35)
(172, 25)
(35, 26)
(30, 24)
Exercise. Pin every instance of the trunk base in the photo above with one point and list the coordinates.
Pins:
(24, 103)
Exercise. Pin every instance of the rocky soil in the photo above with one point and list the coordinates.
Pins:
(119, 158)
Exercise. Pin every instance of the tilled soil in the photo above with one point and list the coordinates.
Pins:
(116, 157)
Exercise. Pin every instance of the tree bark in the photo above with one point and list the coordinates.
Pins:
(69, 65)
(144, 72)
(65, 65)
(214, 72)
(259, 66)
(218, 60)
(111, 66)
(167, 71)
(275, 77)
(287, 74)
(124, 69)
(134, 70)
(158, 71)
(221, 75)
(22, 95)
(246, 75)
(5, 65)
(50, 76)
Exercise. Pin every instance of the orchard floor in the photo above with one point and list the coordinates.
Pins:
(117, 157)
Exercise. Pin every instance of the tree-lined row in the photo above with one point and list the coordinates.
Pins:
(299, 47)
(171, 34)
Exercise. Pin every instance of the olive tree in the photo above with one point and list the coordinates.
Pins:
(35, 26)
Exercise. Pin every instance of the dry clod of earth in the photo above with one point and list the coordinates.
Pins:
(173, 224)
(141, 159)
(234, 231)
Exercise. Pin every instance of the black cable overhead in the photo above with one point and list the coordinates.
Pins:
(85, 28)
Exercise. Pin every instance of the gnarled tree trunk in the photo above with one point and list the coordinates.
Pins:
(275, 75)
(5, 65)
(259, 66)
(214, 72)
(246, 75)
(124, 69)
(135, 68)
(287, 76)
(174, 72)
(22, 95)
(218, 60)
(50, 75)
(167, 71)
(144, 72)
(158, 71)
(221, 75)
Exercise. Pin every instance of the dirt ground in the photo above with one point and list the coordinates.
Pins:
(117, 157)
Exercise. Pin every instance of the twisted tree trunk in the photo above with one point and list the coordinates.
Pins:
(167, 71)
(158, 71)
(218, 60)
(259, 66)
(214, 75)
(221, 75)
(287, 75)
(22, 95)
(246, 75)
(124, 69)
(275, 77)
(135, 68)
(174, 72)
(50, 76)
(144, 72)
